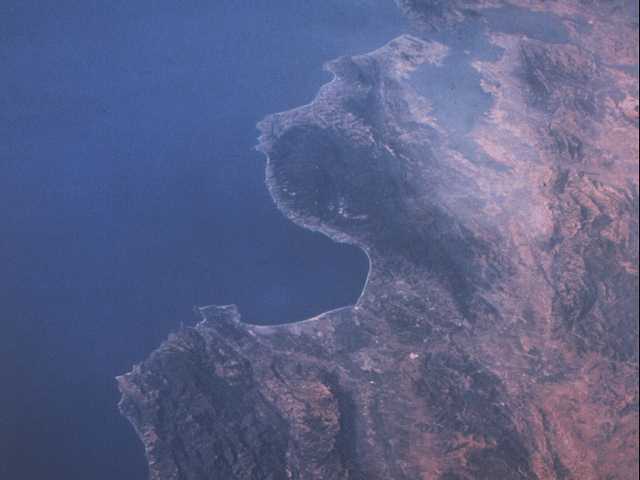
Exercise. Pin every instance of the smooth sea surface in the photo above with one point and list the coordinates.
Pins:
(130, 192)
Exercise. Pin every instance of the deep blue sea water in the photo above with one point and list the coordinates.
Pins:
(129, 192)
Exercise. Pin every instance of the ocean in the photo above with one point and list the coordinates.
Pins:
(130, 192)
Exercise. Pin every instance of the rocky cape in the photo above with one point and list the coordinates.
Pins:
(497, 334)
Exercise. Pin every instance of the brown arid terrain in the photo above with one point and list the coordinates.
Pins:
(487, 162)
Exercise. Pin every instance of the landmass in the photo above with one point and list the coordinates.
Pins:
(487, 163)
